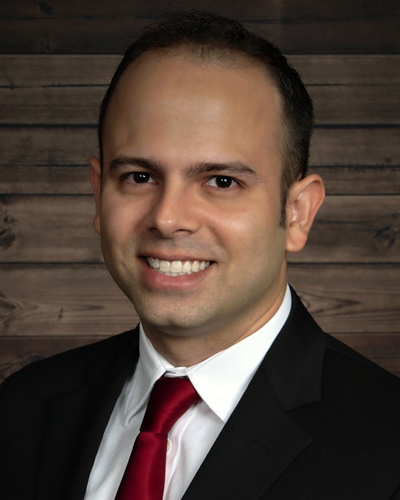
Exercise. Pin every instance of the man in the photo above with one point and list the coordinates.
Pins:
(200, 192)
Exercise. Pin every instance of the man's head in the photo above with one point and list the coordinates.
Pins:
(211, 38)
(189, 198)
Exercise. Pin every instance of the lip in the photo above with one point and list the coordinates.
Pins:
(159, 281)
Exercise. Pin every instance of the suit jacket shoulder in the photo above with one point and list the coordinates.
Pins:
(53, 414)
(318, 421)
(61, 371)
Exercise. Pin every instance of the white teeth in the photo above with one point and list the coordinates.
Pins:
(165, 266)
(154, 263)
(187, 267)
(177, 267)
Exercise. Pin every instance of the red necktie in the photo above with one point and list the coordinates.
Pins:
(144, 475)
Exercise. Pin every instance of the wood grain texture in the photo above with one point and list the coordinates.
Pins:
(108, 27)
(34, 70)
(48, 229)
(67, 90)
(60, 300)
(252, 9)
(343, 180)
(350, 298)
(358, 229)
(66, 179)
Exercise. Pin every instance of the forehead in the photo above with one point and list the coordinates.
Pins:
(166, 67)
(178, 94)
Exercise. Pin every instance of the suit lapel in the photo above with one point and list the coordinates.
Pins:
(76, 421)
(261, 439)
(258, 442)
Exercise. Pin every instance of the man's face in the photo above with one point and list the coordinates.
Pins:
(190, 198)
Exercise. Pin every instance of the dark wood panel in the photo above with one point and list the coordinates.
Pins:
(356, 105)
(327, 36)
(353, 298)
(15, 353)
(20, 179)
(355, 229)
(62, 300)
(56, 105)
(74, 145)
(359, 229)
(68, 89)
(48, 229)
(96, 70)
(68, 70)
(79, 105)
(360, 180)
(31, 179)
(363, 147)
(292, 9)
(108, 27)
(257, 9)
(83, 300)
(75, 9)
(347, 69)
(48, 145)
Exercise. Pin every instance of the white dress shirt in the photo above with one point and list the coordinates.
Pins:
(220, 381)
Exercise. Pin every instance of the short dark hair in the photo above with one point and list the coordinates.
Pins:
(211, 37)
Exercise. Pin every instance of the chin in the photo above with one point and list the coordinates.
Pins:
(175, 325)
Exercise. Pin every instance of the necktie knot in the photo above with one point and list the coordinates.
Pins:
(169, 400)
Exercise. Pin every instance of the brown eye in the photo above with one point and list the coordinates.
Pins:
(222, 182)
(140, 177)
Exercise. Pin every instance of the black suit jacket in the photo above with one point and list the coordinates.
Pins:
(318, 421)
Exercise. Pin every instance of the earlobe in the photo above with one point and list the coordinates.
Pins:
(95, 179)
(304, 200)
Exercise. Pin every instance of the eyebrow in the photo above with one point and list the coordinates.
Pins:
(226, 168)
(222, 168)
(124, 162)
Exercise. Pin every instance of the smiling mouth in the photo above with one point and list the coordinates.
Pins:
(177, 267)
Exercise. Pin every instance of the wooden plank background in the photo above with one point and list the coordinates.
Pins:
(56, 59)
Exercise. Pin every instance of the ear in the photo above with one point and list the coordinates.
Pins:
(95, 179)
(303, 202)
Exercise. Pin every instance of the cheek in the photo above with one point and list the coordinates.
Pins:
(231, 228)
(116, 222)
(256, 238)
(249, 226)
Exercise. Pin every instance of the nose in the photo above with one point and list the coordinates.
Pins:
(174, 213)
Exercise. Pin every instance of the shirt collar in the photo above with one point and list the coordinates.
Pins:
(220, 380)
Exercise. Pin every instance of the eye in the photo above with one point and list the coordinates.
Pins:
(222, 182)
(140, 177)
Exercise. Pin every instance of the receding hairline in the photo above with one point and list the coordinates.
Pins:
(202, 55)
